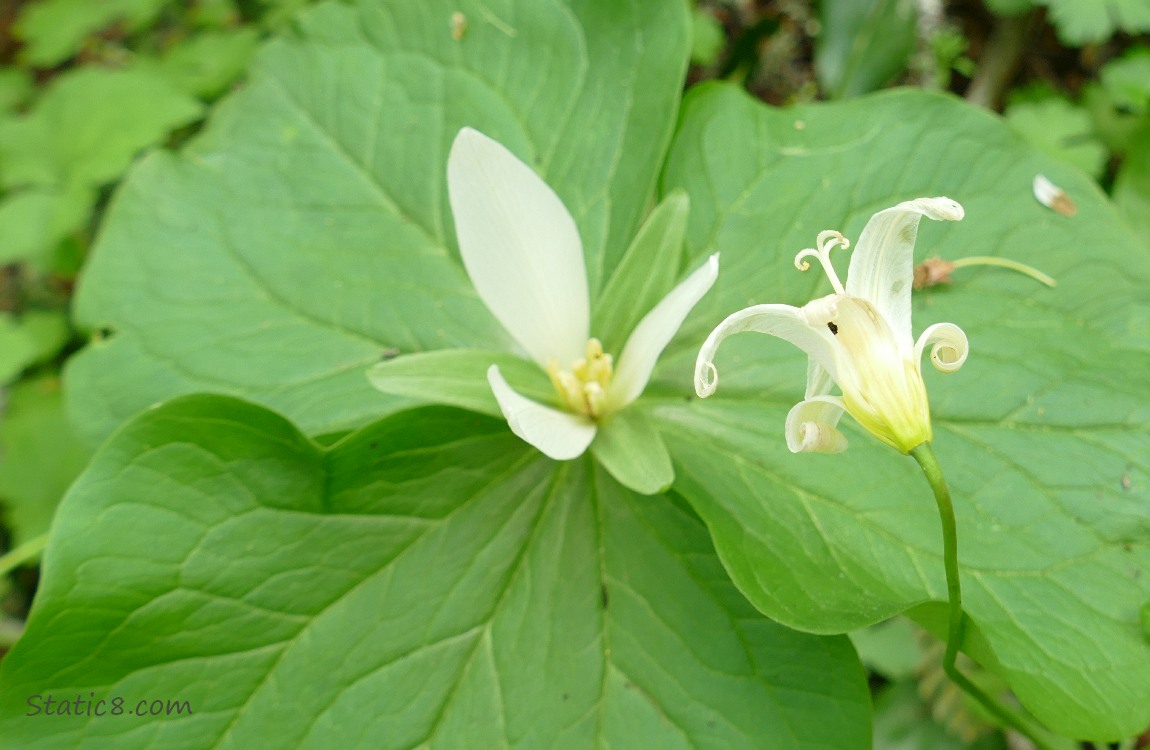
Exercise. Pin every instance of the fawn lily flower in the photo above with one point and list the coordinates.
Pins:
(522, 251)
(859, 337)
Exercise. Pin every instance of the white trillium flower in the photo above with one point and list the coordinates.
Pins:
(859, 337)
(521, 249)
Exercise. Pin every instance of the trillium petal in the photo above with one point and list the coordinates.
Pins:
(949, 349)
(786, 322)
(557, 434)
(819, 381)
(812, 426)
(654, 332)
(520, 247)
(882, 265)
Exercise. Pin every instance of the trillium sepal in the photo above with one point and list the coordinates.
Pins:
(858, 338)
(521, 249)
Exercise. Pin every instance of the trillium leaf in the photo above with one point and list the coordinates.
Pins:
(429, 580)
(307, 229)
(1042, 434)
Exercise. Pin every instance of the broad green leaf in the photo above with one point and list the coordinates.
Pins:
(1132, 186)
(88, 126)
(55, 30)
(1127, 80)
(214, 14)
(1081, 22)
(630, 448)
(306, 230)
(707, 37)
(648, 270)
(1084, 21)
(861, 46)
(29, 338)
(15, 88)
(429, 581)
(40, 455)
(279, 13)
(1061, 129)
(207, 63)
(1043, 434)
(34, 221)
(1115, 125)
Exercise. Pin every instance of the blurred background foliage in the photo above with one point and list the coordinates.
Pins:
(87, 85)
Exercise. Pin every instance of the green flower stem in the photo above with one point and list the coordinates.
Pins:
(1013, 265)
(925, 457)
(26, 552)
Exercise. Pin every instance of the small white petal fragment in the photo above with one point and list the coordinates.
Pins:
(1053, 197)
(812, 426)
(949, 349)
(654, 332)
(559, 435)
(882, 266)
(520, 247)
(786, 322)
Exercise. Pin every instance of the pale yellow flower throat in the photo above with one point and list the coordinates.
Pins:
(584, 386)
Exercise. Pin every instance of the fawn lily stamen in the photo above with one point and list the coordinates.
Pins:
(826, 241)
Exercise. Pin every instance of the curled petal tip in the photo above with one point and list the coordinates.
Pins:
(819, 438)
(945, 209)
(812, 426)
(706, 378)
(949, 346)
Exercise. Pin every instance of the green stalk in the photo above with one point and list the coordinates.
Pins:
(1013, 265)
(23, 554)
(925, 457)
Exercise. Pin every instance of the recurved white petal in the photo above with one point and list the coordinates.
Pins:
(520, 247)
(882, 265)
(557, 434)
(949, 349)
(786, 322)
(812, 426)
(654, 332)
(819, 381)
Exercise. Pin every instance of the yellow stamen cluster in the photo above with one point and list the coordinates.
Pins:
(583, 387)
